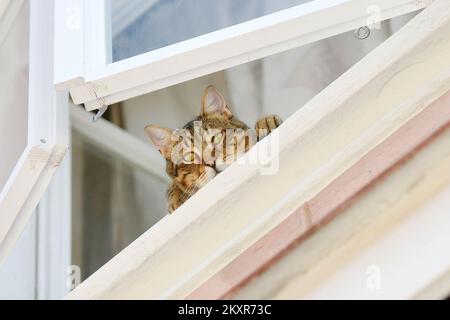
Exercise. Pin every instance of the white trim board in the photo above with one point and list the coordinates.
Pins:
(46, 144)
(54, 252)
(3, 5)
(390, 244)
(220, 50)
(438, 289)
(97, 39)
(8, 12)
(318, 143)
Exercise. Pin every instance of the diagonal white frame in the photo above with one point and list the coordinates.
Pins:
(47, 137)
(8, 12)
(105, 84)
(366, 105)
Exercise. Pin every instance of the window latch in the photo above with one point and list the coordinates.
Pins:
(99, 113)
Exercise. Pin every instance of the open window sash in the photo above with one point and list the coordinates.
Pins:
(360, 128)
(82, 45)
(45, 139)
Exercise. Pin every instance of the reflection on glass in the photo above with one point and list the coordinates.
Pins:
(113, 203)
(139, 26)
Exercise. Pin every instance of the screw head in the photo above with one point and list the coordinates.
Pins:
(362, 33)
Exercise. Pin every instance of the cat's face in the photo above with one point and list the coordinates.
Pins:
(205, 145)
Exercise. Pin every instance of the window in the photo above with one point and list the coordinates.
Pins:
(324, 139)
(119, 179)
(142, 26)
(31, 126)
(133, 63)
(97, 83)
(14, 80)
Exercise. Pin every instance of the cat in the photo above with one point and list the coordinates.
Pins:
(205, 146)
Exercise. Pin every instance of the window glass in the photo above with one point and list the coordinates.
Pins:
(139, 26)
(107, 208)
(115, 203)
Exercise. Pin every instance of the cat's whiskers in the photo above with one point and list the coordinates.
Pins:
(224, 139)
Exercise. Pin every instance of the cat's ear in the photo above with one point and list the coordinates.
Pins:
(160, 137)
(214, 103)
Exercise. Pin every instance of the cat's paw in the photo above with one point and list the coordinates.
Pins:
(174, 197)
(173, 203)
(266, 125)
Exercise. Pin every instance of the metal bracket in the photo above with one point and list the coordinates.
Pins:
(99, 113)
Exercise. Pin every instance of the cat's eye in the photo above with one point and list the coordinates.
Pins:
(189, 157)
(217, 138)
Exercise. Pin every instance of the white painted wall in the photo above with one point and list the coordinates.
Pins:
(13, 93)
(405, 260)
(18, 272)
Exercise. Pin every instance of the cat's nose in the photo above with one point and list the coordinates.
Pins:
(208, 159)
(209, 162)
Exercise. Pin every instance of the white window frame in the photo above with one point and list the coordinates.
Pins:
(95, 83)
(47, 131)
(8, 12)
(213, 233)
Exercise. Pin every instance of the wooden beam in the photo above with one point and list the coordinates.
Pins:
(125, 12)
(47, 132)
(330, 202)
(392, 243)
(439, 288)
(317, 144)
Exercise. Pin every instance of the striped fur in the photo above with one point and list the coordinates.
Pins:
(223, 139)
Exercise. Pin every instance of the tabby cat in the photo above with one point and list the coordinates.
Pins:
(205, 146)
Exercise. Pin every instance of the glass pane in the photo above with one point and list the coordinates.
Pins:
(139, 26)
(112, 204)
(13, 91)
(278, 84)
